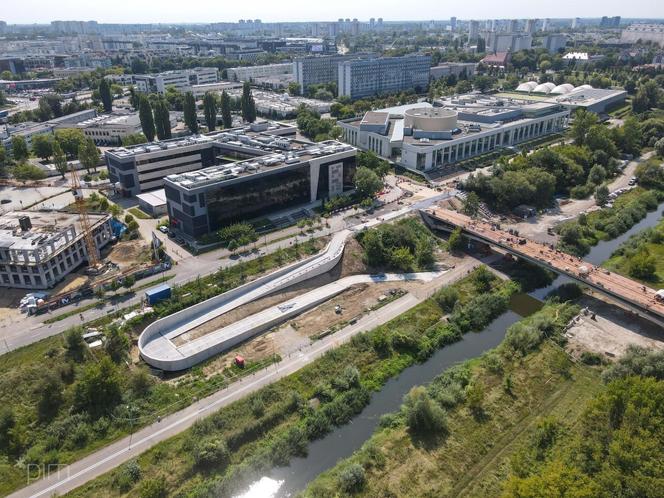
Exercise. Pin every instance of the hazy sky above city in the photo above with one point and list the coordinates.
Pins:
(205, 11)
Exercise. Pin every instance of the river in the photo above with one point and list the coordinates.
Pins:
(324, 453)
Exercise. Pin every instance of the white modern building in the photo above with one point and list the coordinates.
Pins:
(423, 138)
(250, 73)
(181, 80)
(110, 129)
(366, 77)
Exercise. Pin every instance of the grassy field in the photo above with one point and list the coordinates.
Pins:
(276, 423)
(138, 213)
(472, 457)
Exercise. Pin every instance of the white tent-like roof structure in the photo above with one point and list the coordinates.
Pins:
(544, 88)
(528, 86)
(563, 89)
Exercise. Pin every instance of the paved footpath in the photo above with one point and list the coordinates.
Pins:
(102, 461)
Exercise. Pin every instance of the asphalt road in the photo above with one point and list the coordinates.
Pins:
(30, 329)
(65, 479)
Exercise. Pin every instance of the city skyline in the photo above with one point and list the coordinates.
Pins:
(206, 11)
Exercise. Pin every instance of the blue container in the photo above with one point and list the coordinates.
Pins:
(159, 293)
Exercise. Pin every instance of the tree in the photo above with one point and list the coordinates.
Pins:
(50, 396)
(455, 242)
(117, 344)
(59, 159)
(162, 119)
(211, 452)
(70, 140)
(583, 121)
(134, 98)
(471, 205)
(105, 94)
(247, 104)
(601, 195)
(642, 265)
(190, 115)
(42, 146)
(98, 390)
(659, 148)
(28, 171)
(482, 83)
(367, 182)
(596, 175)
(146, 117)
(19, 148)
(134, 139)
(210, 110)
(226, 116)
(74, 344)
(88, 155)
(3, 156)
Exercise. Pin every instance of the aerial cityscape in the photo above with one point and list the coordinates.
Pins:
(331, 250)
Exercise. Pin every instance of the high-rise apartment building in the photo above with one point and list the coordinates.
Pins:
(366, 77)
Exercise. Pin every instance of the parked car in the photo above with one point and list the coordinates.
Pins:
(163, 229)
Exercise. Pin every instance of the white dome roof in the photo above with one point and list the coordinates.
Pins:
(584, 87)
(528, 86)
(564, 88)
(544, 88)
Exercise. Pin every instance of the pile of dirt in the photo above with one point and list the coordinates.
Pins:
(127, 253)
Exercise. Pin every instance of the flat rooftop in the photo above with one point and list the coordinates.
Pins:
(258, 133)
(263, 164)
(46, 228)
(375, 118)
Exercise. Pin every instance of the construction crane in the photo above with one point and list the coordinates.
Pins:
(79, 200)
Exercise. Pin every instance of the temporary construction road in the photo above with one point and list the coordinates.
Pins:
(102, 461)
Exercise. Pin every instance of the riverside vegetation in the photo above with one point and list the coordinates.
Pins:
(222, 453)
(521, 421)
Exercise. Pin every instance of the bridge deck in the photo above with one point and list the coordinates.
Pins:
(612, 283)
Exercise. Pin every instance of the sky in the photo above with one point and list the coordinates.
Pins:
(206, 11)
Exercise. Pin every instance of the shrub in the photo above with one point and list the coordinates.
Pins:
(129, 474)
(153, 488)
(352, 479)
(446, 298)
(423, 416)
(211, 452)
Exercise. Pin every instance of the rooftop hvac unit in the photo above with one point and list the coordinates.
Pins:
(25, 223)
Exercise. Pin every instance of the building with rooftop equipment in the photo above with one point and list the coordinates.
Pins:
(423, 138)
(598, 100)
(281, 105)
(182, 80)
(110, 129)
(143, 167)
(250, 73)
(366, 77)
(295, 173)
(39, 249)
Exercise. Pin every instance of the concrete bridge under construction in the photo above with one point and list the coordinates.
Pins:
(630, 294)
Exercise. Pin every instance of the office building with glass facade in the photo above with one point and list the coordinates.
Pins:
(204, 201)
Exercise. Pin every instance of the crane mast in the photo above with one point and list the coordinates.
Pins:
(79, 200)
